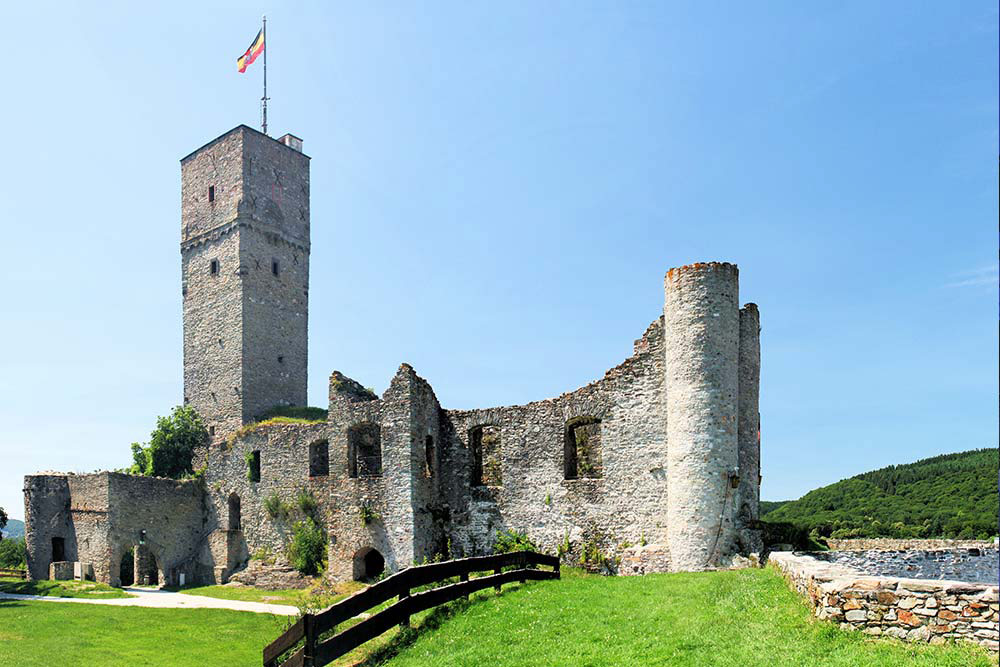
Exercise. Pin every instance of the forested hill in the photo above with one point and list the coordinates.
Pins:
(14, 528)
(953, 495)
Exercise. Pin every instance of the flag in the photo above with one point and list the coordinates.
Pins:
(251, 55)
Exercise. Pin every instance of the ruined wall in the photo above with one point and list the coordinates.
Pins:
(916, 610)
(626, 503)
(99, 517)
(701, 329)
(749, 414)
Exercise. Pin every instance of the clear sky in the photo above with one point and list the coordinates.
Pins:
(497, 192)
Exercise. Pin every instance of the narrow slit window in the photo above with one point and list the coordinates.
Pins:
(253, 466)
(429, 455)
(211, 193)
(274, 267)
(213, 267)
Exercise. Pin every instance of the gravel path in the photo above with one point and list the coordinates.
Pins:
(145, 597)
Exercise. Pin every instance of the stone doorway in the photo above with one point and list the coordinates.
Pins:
(368, 564)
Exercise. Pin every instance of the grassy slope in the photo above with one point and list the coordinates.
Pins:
(62, 589)
(742, 618)
(44, 634)
(940, 496)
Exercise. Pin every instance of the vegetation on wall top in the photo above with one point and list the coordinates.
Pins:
(171, 445)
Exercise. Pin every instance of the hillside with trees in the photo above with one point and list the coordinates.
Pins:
(953, 495)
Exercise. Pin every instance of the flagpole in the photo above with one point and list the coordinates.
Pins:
(263, 100)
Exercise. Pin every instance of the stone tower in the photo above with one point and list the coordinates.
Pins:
(245, 276)
(702, 355)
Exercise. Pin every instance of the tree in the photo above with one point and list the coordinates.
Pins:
(171, 445)
(3, 522)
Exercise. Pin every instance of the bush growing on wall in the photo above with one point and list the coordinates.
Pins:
(171, 445)
(307, 550)
(508, 541)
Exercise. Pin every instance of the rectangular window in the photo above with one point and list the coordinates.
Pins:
(253, 466)
(319, 459)
(213, 267)
(211, 193)
(274, 266)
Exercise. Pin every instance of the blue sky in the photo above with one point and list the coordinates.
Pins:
(497, 191)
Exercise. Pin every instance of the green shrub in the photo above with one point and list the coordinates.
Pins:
(508, 541)
(13, 553)
(306, 502)
(368, 514)
(307, 549)
(171, 445)
(784, 532)
(275, 507)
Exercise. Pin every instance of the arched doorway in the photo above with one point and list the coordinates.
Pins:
(368, 564)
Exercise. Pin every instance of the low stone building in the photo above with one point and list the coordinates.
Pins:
(662, 454)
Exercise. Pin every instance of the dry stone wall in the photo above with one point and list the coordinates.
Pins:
(921, 610)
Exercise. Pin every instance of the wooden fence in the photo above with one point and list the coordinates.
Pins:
(315, 653)
(8, 572)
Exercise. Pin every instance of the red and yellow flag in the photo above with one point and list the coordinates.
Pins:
(251, 55)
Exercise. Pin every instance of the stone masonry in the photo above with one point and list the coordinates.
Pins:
(658, 460)
(920, 610)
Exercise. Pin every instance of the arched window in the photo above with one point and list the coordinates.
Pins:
(235, 522)
(484, 441)
(319, 459)
(364, 450)
(582, 448)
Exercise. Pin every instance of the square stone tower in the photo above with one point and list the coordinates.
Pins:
(245, 276)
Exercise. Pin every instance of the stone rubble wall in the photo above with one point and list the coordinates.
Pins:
(891, 544)
(919, 610)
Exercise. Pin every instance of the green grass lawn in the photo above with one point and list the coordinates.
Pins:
(61, 589)
(726, 619)
(739, 619)
(49, 633)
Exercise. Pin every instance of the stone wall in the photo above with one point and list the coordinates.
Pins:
(890, 544)
(922, 610)
(625, 504)
(701, 346)
(245, 277)
(99, 517)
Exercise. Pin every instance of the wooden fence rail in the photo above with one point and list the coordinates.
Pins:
(9, 572)
(315, 653)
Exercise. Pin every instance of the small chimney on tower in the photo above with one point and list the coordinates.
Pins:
(292, 142)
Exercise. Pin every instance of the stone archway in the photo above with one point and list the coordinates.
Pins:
(369, 563)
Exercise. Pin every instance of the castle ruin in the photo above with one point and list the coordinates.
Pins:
(656, 465)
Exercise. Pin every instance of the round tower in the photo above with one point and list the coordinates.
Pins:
(702, 347)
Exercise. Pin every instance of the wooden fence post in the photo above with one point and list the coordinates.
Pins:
(522, 565)
(309, 650)
(497, 570)
(403, 594)
(464, 577)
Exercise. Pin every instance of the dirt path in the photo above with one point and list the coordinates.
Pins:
(144, 597)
